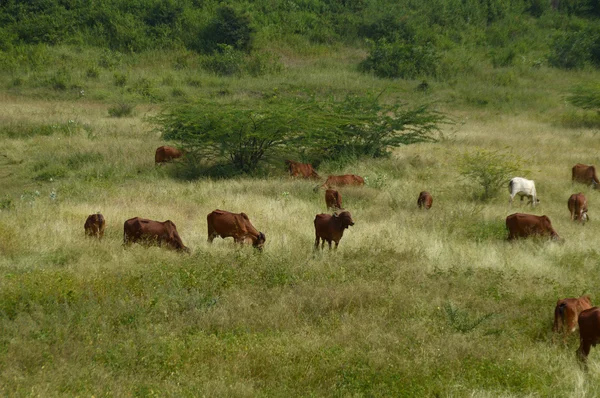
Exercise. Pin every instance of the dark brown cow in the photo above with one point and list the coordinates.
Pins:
(331, 228)
(303, 170)
(337, 181)
(94, 225)
(584, 174)
(333, 199)
(567, 312)
(523, 225)
(152, 232)
(425, 200)
(578, 207)
(236, 225)
(166, 154)
(589, 332)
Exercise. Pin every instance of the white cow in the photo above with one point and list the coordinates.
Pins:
(523, 187)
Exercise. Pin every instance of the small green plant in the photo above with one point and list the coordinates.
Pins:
(401, 60)
(585, 96)
(490, 169)
(226, 62)
(120, 79)
(121, 110)
(461, 321)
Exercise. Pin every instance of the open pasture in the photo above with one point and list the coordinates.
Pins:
(413, 303)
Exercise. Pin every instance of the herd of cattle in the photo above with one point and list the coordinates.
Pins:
(569, 312)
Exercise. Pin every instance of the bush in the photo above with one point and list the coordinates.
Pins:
(397, 59)
(228, 27)
(121, 110)
(585, 96)
(570, 50)
(226, 62)
(490, 169)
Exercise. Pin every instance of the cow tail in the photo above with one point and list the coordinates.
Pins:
(510, 185)
(561, 311)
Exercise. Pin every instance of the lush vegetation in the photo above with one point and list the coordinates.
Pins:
(431, 303)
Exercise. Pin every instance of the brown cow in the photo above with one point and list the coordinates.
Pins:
(584, 174)
(166, 154)
(331, 227)
(237, 225)
(303, 170)
(566, 313)
(336, 181)
(94, 225)
(523, 225)
(333, 199)
(578, 207)
(589, 332)
(425, 200)
(152, 232)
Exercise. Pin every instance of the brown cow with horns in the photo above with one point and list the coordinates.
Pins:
(94, 225)
(147, 231)
(331, 227)
(584, 174)
(521, 225)
(236, 225)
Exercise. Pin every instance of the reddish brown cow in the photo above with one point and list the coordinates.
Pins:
(589, 332)
(303, 170)
(331, 228)
(578, 207)
(236, 225)
(567, 312)
(333, 199)
(584, 174)
(152, 232)
(425, 200)
(523, 225)
(94, 225)
(166, 154)
(337, 181)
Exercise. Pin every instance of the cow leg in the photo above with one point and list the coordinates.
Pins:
(317, 243)
(211, 237)
(336, 245)
(582, 353)
(329, 243)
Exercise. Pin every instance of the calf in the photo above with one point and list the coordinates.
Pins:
(331, 228)
(337, 181)
(94, 225)
(425, 200)
(567, 312)
(150, 232)
(577, 205)
(236, 225)
(524, 225)
(584, 174)
(166, 154)
(304, 170)
(524, 188)
(589, 332)
(333, 199)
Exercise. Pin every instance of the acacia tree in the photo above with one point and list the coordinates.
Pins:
(245, 136)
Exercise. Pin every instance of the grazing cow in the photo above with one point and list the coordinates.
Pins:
(566, 313)
(336, 181)
(94, 225)
(303, 170)
(237, 225)
(523, 225)
(584, 174)
(523, 187)
(331, 227)
(333, 199)
(589, 332)
(578, 207)
(425, 200)
(152, 232)
(166, 154)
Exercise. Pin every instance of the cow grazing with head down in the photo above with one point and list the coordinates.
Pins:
(524, 188)
(151, 232)
(567, 312)
(584, 174)
(166, 154)
(333, 199)
(425, 200)
(577, 205)
(338, 181)
(331, 228)
(304, 170)
(236, 225)
(589, 332)
(94, 225)
(521, 225)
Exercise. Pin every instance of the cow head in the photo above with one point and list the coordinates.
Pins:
(260, 240)
(345, 218)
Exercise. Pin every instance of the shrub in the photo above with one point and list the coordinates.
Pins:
(121, 110)
(490, 169)
(397, 59)
(226, 62)
(585, 96)
(572, 50)
(229, 27)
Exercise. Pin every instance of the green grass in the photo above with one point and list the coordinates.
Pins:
(413, 303)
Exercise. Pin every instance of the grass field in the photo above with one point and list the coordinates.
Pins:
(413, 303)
